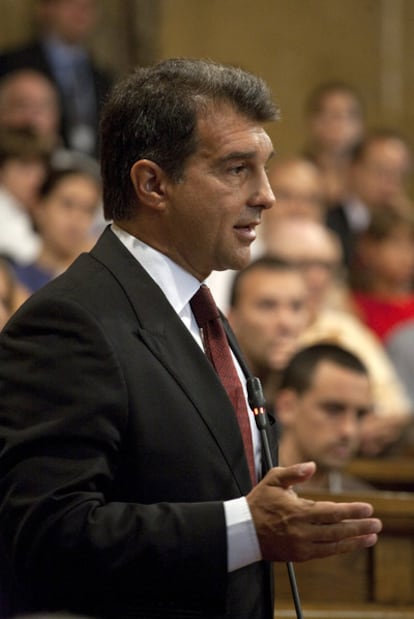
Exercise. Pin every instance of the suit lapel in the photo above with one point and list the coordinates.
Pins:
(164, 334)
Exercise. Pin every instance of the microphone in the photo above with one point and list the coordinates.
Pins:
(258, 405)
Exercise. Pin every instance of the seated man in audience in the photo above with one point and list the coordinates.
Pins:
(268, 312)
(335, 123)
(61, 52)
(298, 186)
(323, 398)
(380, 171)
(28, 99)
(316, 251)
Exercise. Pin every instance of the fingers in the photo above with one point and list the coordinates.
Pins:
(290, 528)
(345, 530)
(290, 475)
(322, 550)
(327, 512)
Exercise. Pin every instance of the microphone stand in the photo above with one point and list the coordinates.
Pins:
(257, 404)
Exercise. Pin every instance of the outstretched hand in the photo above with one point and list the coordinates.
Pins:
(290, 528)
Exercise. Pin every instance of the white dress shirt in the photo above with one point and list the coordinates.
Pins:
(179, 287)
(18, 240)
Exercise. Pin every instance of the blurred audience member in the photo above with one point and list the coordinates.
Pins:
(268, 311)
(60, 52)
(298, 186)
(64, 217)
(323, 399)
(380, 169)
(310, 246)
(383, 286)
(23, 166)
(315, 250)
(28, 99)
(335, 124)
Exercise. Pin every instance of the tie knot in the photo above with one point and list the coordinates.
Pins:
(204, 307)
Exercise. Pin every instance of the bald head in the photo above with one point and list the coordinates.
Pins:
(298, 186)
(312, 247)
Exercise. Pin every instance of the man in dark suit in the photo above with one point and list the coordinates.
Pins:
(125, 489)
(61, 55)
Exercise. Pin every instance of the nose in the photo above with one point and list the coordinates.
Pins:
(284, 321)
(349, 425)
(263, 195)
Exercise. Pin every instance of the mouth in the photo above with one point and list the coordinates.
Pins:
(342, 452)
(247, 231)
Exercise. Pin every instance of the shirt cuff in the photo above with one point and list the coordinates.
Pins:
(242, 543)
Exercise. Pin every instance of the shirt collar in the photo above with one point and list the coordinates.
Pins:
(178, 285)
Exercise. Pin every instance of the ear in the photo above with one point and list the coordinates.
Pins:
(149, 182)
(286, 405)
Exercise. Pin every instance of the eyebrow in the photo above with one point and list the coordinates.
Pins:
(243, 155)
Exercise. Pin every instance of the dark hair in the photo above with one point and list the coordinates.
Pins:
(325, 89)
(267, 263)
(153, 114)
(55, 176)
(298, 374)
(384, 222)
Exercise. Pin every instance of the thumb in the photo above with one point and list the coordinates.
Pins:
(290, 475)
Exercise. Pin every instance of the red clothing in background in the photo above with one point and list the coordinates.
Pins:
(384, 315)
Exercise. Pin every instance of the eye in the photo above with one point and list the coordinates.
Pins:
(238, 169)
(333, 409)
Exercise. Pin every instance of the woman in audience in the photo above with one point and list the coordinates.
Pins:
(382, 282)
(24, 160)
(64, 217)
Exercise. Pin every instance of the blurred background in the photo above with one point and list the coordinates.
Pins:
(293, 45)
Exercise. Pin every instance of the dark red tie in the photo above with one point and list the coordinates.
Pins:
(217, 349)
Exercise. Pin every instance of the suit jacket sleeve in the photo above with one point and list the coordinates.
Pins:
(64, 405)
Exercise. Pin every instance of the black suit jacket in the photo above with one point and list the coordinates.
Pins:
(118, 446)
(32, 56)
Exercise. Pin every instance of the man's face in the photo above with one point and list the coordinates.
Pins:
(212, 212)
(380, 177)
(270, 314)
(72, 20)
(338, 125)
(29, 100)
(298, 188)
(324, 423)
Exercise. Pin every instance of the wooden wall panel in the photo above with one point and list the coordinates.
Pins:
(294, 45)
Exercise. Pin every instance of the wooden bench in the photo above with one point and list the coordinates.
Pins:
(383, 574)
(351, 611)
(395, 474)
